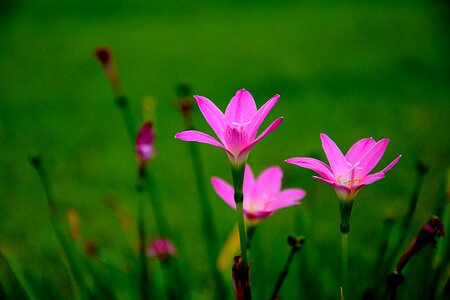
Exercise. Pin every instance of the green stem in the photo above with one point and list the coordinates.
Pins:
(142, 256)
(296, 244)
(124, 106)
(208, 224)
(344, 263)
(346, 211)
(153, 193)
(66, 245)
(238, 180)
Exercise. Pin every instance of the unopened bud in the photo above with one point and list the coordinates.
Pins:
(427, 235)
(103, 54)
(161, 249)
(144, 143)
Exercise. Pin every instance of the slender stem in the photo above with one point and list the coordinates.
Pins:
(295, 244)
(344, 263)
(155, 202)
(66, 245)
(250, 233)
(209, 226)
(238, 180)
(346, 210)
(124, 106)
(142, 256)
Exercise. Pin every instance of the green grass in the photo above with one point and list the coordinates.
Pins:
(350, 69)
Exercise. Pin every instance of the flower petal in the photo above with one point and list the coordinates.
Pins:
(224, 190)
(313, 164)
(241, 108)
(291, 195)
(268, 183)
(334, 155)
(213, 115)
(276, 204)
(391, 165)
(360, 148)
(261, 115)
(372, 157)
(372, 178)
(268, 130)
(198, 136)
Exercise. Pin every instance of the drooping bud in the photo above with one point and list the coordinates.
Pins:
(144, 143)
(103, 54)
(161, 249)
(427, 235)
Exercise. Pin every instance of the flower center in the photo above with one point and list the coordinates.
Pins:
(236, 138)
(351, 177)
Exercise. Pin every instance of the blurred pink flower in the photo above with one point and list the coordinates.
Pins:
(262, 196)
(161, 249)
(144, 142)
(237, 128)
(348, 174)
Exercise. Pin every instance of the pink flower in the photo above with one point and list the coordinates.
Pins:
(262, 196)
(144, 142)
(348, 174)
(237, 128)
(161, 249)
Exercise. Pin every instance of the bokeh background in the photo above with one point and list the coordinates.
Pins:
(351, 69)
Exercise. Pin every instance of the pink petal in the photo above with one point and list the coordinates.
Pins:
(334, 184)
(291, 195)
(241, 108)
(391, 165)
(224, 190)
(269, 182)
(372, 178)
(249, 180)
(359, 149)
(334, 155)
(277, 204)
(372, 157)
(197, 136)
(268, 130)
(313, 164)
(213, 115)
(261, 115)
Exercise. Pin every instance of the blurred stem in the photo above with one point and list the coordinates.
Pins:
(142, 255)
(394, 280)
(238, 179)
(406, 221)
(296, 245)
(209, 226)
(153, 193)
(250, 233)
(66, 245)
(124, 106)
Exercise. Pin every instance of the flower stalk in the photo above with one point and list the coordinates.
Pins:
(238, 181)
(295, 243)
(66, 245)
(185, 106)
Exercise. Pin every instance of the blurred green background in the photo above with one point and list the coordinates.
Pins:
(351, 69)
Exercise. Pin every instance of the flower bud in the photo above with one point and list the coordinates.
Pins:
(144, 143)
(161, 249)
(432, 229)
